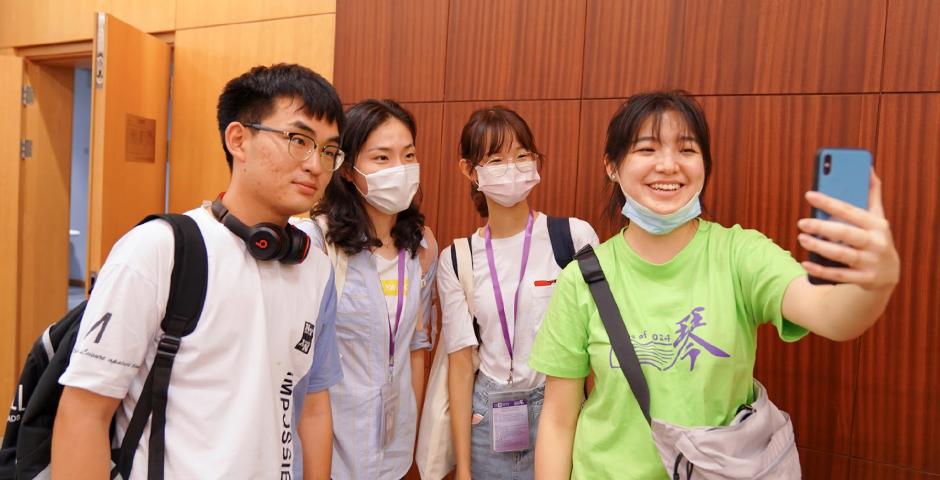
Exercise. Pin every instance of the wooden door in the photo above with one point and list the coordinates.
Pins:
(131, 82)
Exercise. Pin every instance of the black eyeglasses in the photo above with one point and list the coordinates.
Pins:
(301, 147)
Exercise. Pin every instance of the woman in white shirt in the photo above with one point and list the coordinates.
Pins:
(515, 261)
(384, 260)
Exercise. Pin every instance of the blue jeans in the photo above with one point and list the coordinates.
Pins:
(484, 462)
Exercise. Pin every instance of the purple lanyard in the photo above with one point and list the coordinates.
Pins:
(500, 308)
(392, 333)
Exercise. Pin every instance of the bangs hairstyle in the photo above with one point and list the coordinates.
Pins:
(251, 97)
(624, 129)
(342, 204)
(488, 131)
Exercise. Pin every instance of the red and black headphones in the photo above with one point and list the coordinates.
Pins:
(266, 241)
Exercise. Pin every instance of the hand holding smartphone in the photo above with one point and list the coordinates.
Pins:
(843, 174)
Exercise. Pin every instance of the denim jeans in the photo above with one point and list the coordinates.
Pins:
(484, 462)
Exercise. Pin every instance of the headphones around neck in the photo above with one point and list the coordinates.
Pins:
(266, 241)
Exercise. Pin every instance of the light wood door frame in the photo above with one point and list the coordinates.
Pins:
(45, 184)
(11, 82)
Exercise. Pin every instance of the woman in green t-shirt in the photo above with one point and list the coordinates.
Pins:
(692, 294)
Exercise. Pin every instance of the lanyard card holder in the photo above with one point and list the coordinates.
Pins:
(509, 412)
(389, 420)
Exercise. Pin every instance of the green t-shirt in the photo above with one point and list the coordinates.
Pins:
(693, 322)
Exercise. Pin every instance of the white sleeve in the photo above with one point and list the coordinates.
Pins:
(123, 315)
(582, 233)
(456, 322)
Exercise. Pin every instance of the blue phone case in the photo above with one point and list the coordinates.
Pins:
(844, 174)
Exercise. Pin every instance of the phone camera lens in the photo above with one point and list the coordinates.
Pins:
(827, 164)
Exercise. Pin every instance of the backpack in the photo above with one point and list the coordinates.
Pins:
(559, 234)
(27, 442)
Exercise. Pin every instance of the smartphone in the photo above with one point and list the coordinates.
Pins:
(844, 174)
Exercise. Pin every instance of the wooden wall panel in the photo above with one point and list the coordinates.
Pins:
(912, 46)
(554, 126)
(221, 12)
(429, 117)
(593, 187)
(55, 21)
(862, 470)
(44, 216)
(733, 46)
(818, 464)
(898, 418)
(391, 50)
(514, 49)
(11, 79)
(204, 60)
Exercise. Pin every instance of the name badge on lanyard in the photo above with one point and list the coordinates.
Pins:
(509, 410)
(390, 393)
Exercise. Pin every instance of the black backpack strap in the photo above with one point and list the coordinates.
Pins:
(476, 325)
(616, 329)
(559, 233)
(188, 284)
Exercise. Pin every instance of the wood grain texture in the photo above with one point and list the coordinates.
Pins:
(912, 46)
(816, 464)
(55, 21)
(429, 117)
(733, 46)
(898, 418)
(204, 60)
(44, 208)
(554, 126)
(863, 470)
(11, 79)
(136, 85)
(514, 49)
(222, 12)
(391, 50)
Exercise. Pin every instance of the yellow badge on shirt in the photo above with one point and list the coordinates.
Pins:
(390, 288)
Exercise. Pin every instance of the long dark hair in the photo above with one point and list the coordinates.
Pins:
(485, 133)
(625, 127)
(349, 226)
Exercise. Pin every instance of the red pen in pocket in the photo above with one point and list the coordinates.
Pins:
(544, 283)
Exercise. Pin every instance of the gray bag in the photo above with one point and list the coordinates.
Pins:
(758, 444)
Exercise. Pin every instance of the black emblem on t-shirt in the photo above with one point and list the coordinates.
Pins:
(102, 324)
(307, 340)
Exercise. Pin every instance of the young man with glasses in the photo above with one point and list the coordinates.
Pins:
(266, 335)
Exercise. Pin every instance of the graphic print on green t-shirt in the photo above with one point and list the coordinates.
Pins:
(693, 322)
(663, 353)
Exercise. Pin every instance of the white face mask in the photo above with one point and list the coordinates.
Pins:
(391, 189)
(509, 188)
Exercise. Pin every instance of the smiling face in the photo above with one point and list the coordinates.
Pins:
(663, 169)
(279, 183)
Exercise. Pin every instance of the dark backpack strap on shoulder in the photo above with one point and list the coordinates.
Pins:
(188, 284)
(616, 329)
(476, 324)
(559, 233)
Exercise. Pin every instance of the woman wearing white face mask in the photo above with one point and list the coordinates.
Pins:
(497, 304)
(384, 264)
(692, 294)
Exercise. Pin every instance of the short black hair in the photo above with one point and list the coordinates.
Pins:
(624, 128)
(349, 226)
(250, 97)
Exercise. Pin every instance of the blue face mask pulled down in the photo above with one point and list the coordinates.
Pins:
(655, 223)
